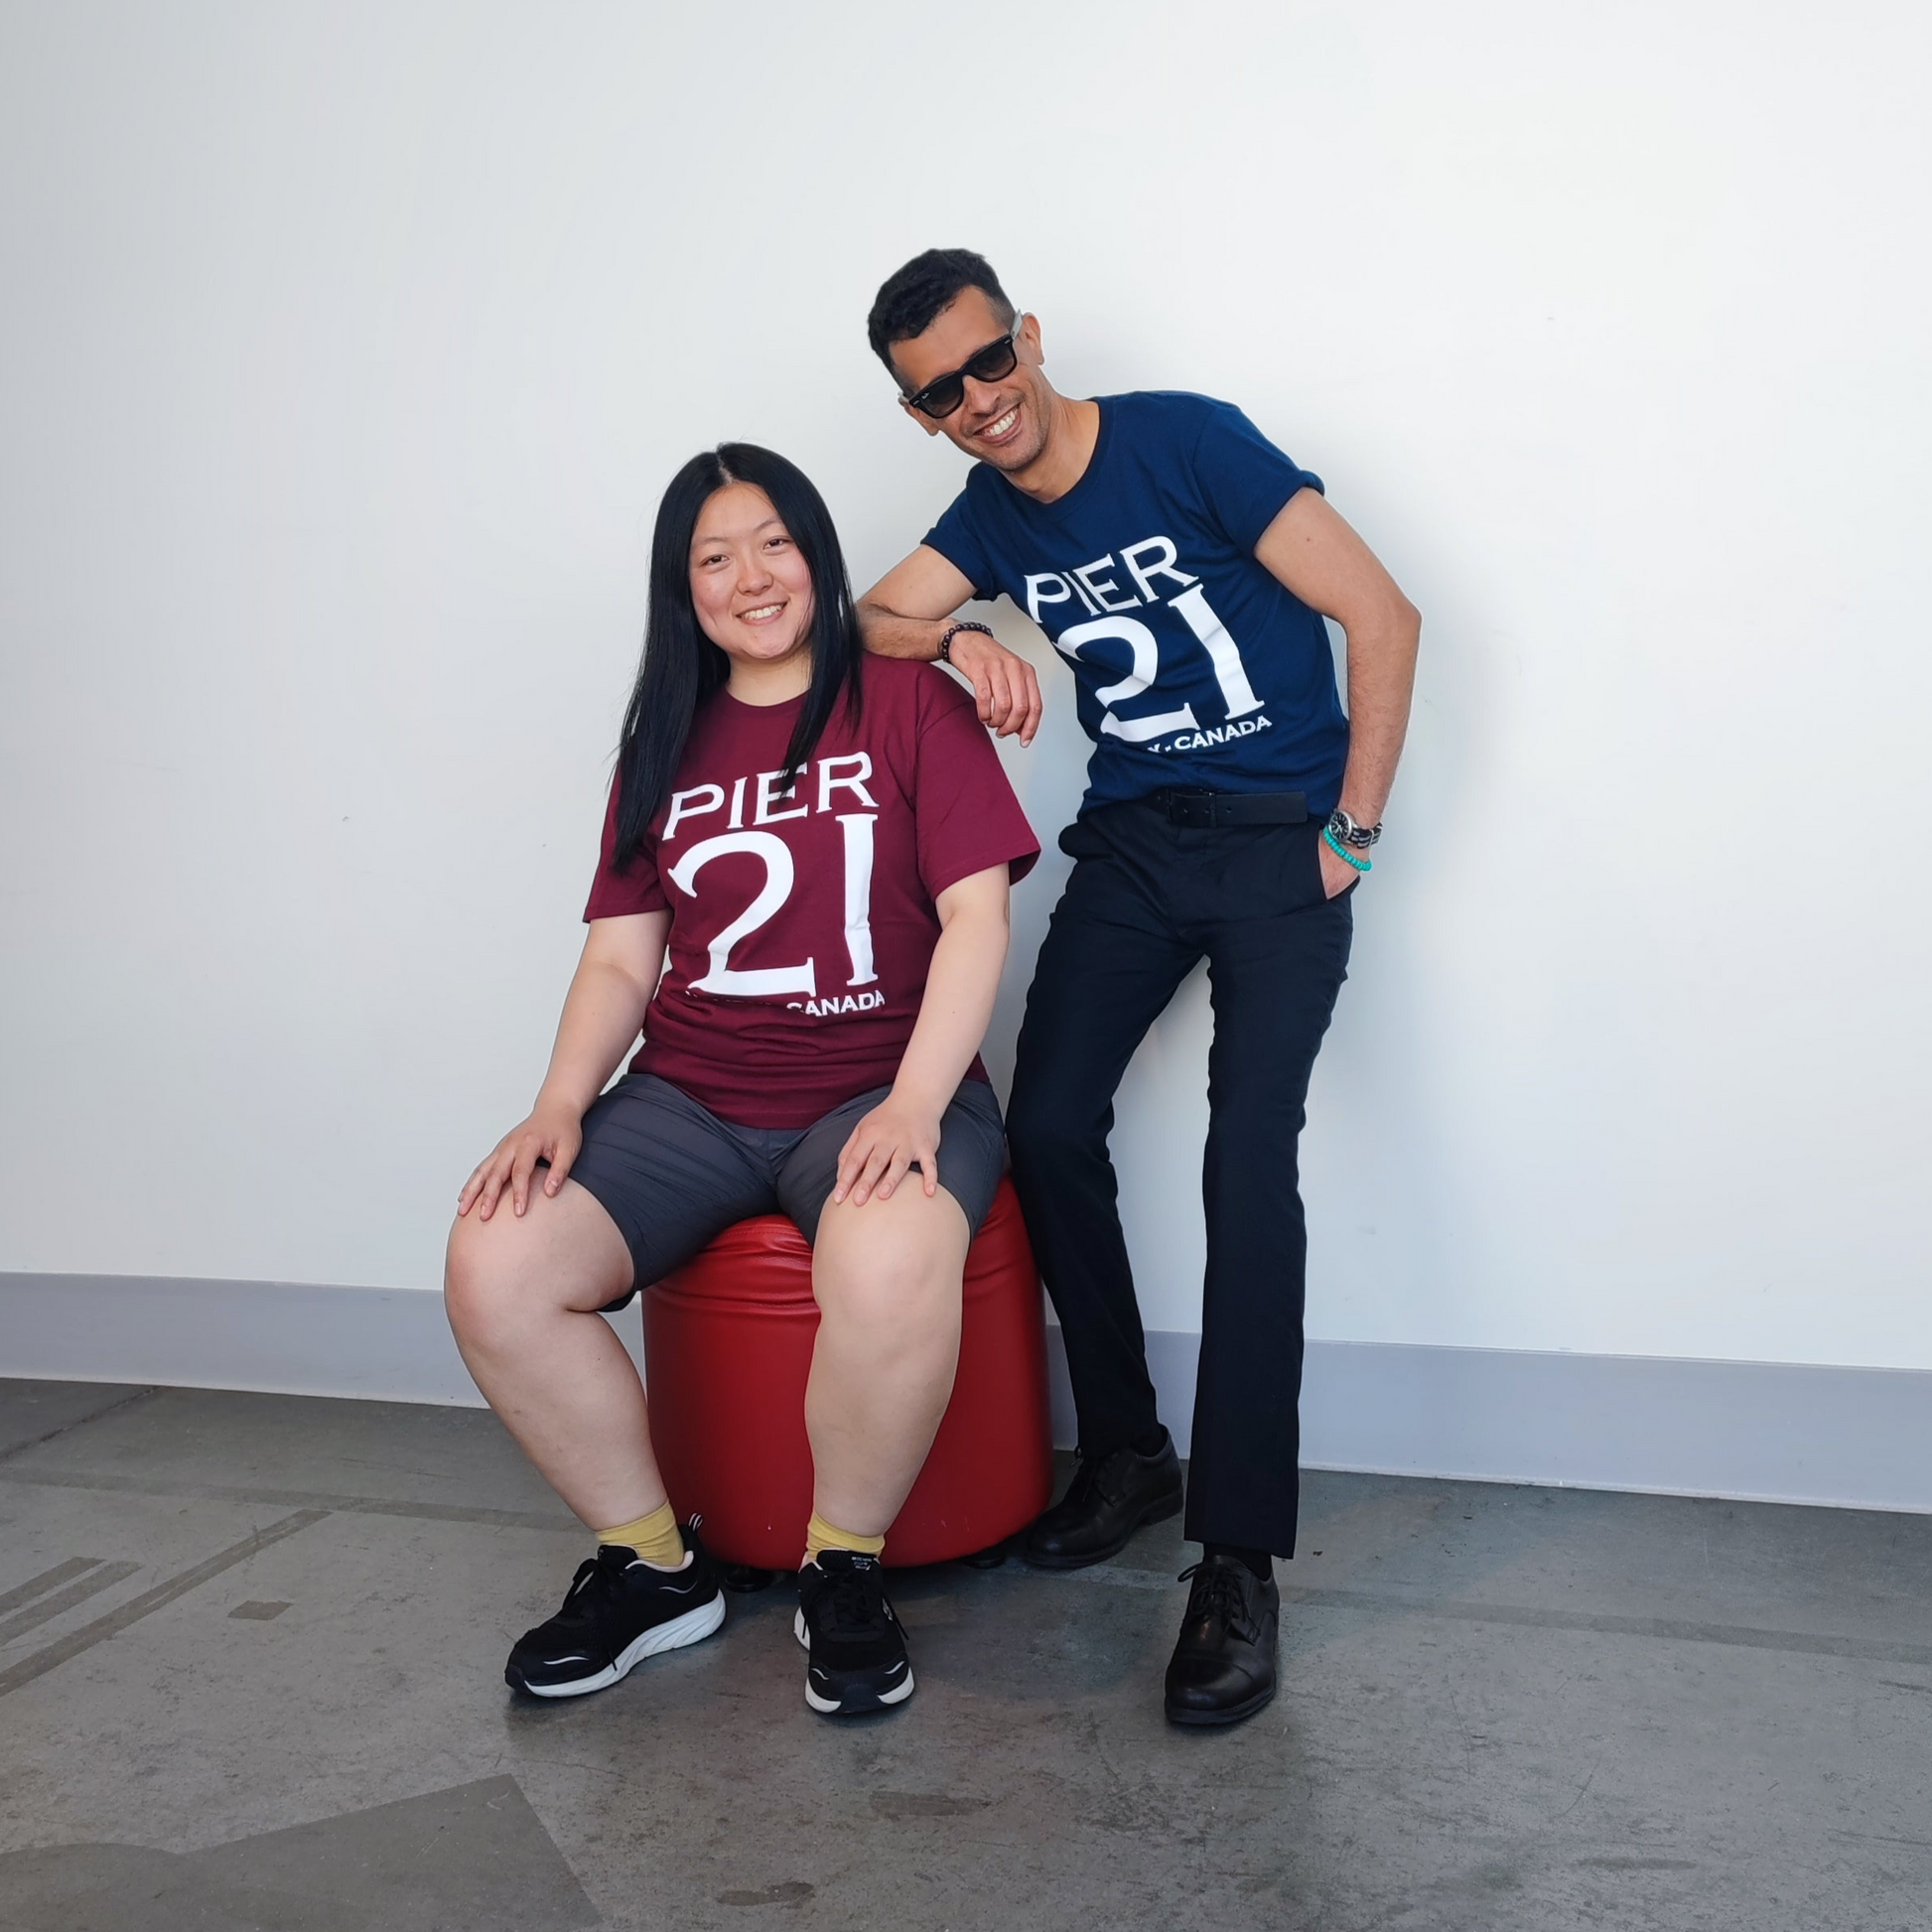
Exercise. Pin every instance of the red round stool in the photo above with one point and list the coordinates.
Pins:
(728, 1345)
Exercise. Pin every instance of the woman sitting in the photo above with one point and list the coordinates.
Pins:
(823, 840)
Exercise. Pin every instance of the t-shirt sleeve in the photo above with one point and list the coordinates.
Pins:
(967, 816)
(637, 889)
(1244, 480)
(956, 537)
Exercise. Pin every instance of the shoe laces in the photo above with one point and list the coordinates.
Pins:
(855, 1597)
(1218, 1595)
(595, 1583)
(1104, 1476)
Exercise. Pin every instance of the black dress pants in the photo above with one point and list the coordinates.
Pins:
(1146, 901)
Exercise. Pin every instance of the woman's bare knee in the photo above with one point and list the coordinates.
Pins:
(890, 1268)
(880, 1303)
(480, 1285)
(510, 1273)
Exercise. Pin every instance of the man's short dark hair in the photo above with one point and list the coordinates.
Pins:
(911, 300)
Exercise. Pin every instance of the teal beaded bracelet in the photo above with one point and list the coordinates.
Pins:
(1342, 853)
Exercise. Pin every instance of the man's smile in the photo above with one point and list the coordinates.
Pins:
(1002, 429)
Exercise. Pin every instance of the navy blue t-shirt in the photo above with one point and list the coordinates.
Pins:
(1193, 666)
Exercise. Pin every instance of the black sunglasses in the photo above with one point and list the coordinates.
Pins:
(945, 393)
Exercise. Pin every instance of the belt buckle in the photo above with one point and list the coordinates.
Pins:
(1194, 810)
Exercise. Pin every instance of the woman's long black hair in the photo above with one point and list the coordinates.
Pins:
(681, 668)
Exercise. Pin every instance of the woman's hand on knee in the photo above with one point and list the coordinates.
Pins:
(883, 1144)
(553, 1134)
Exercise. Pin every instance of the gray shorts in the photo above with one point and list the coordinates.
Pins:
(672, 1174)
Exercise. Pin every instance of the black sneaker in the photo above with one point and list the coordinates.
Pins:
(856, 1645)
(620, 1611)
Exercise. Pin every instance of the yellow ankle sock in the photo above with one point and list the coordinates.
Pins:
(821, 1535)
(653, 1537)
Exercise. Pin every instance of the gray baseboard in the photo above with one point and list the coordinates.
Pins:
(1852, 1438)
(285, 1338)
(1759, 1432)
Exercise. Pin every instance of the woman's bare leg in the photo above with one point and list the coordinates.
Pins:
(887, 1278)
(523, 1295)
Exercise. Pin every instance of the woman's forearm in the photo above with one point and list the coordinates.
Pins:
(960, 988)
(602, 1014)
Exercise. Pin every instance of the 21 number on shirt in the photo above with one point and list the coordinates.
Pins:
(765, 982)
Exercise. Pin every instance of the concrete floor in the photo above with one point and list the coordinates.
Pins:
(250, 1657)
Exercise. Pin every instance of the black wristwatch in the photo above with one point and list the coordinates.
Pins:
(953, 630)
(1358, 838)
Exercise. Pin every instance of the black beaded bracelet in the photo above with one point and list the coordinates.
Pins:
(953, 630)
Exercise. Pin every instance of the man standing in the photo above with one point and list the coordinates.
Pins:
(1182, 566)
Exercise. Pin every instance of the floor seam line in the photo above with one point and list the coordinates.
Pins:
(79, 1422)
(40, 1662)
(1732, 1636)
(1673, 1630)
(47, 1580)
(103, 1577)
(334, 1502)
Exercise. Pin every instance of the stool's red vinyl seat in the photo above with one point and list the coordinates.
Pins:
(728, 1345)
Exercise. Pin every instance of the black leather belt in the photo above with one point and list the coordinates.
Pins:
(1207, 809)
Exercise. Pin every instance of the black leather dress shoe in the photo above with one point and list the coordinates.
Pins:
(1109, 1498)
(1223, 1666)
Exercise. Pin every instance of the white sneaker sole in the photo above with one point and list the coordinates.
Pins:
(692, 1627)
(836, 1706)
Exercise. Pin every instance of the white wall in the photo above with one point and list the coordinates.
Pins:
(346, 351)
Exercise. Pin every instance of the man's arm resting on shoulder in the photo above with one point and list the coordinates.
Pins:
(1311, 550)
(905, 614)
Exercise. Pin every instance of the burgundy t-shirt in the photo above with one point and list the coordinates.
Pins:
(802, 921)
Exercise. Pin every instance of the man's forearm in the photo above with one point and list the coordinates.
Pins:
(890, 635)
(1381, 681)
(1310, 550)
(1005, 688)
